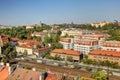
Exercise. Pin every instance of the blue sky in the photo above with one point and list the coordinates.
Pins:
(20, 12)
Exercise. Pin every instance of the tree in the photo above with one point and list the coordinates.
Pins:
(46, 39)
(99, 75)
(59, 32)
(56, 38)
(4, 59)
(69, 58)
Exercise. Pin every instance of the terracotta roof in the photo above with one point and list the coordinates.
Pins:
(25, 46)
(71, 52)
(22, 74)
(42, 50)
(4, 73)
(4, 38)
(52, 76)
(14, 39)
(105, 52)
(30, 42)
(65, 40)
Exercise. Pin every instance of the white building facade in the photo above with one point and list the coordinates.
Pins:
(68, 43)
(85, 46)
(111, 45)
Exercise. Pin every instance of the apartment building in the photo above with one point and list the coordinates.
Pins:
(40, 34)
(41, 51)
(74, 32)
(102, 55)
(100, 24)
(85, 45)
(68, 43)
(27, 49)
(27, 46)
(111, 45)
(99, 38)
(76, 55)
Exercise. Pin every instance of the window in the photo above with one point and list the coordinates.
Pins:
(26, 71)
(18, 76)
(30, 78)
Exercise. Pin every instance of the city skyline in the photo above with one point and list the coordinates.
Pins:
(14, 12)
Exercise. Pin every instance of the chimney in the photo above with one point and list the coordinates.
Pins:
(43, 76)
(2, 63)
(9, 68)
(7, 64)
(34, 69)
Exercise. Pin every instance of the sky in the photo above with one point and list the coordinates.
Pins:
(22, 12)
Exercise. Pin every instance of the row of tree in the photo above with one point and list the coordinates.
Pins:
(102, 63)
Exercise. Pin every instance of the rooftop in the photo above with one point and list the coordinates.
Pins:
(25, 46)
(65, 40)
(105, 52)
(42, 49)
(14, 39)
(71, 52)
(23, 74)
(4, 38)
(4, 72)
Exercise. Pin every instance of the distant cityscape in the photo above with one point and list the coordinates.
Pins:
(60, 51)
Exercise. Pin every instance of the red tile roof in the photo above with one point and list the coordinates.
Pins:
(25, 46)
(42, 50)
(23, 74)
(4, 73)
(30, 42)
(4, 38)
(65, 40)
(14, 39)
(105, 52)
(52, 76)
(70, 52)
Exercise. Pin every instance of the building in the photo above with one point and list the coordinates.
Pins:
(99, 38)
(23, 74)
(41, 51)
(4, 39)
(25, 49)
(40, 34)
(29, 42)
(111, 45)
(85, 46)
(27, 46)
(76, 55)
(14, 41)
(100, 24)
(73, 32)
(5, 71)
(68, 43)
(102, 55)
(31, 26)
